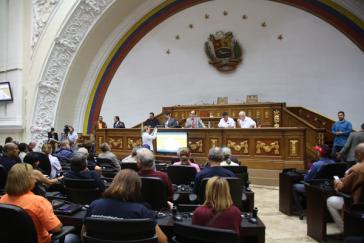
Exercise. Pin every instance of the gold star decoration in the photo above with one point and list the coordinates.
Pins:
(207, 16)
(280, 37)
(191, 26)
(244, 16)
(177, 37)
(264, 24)
(168, 52)
(225, 13)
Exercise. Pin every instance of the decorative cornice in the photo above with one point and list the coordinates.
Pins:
(65, 47)
(42, 10)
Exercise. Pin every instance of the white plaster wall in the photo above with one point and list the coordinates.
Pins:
(11, 65)
(314, 66)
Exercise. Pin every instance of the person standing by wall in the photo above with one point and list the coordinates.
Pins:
(341, 130)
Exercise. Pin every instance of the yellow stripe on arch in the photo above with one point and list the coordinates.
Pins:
(112, 54)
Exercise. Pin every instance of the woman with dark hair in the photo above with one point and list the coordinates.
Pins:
(23, 150)
(218, 210)
(41, 180)
(121, 200)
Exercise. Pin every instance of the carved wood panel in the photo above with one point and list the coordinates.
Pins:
(196, 145)
(133, 142)
(238, 146)
(267, 147)
(116, 143)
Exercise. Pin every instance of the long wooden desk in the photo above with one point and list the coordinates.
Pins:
(259, 148)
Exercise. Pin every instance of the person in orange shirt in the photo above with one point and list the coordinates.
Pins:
(19, 183)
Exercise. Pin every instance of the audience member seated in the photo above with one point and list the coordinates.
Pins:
(226, 152)
(132, 158)
(32, 146)
(184, 156)
(107, 154)
(91, 163)
(65, 151)
(23, 150)
(10, 155)
(18, 188)
(121, 200)
(80, 171)
(41, 180)
(226, 121)
(323, 153)
(151, 121)
(146, 163)
(351, 184)
(148, 136)
(218, 210)
(9, 140)
(214, 168)
(55, 164)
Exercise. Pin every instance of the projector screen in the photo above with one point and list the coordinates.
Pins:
(171, 141)
(5, 92)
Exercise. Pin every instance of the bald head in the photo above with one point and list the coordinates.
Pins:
(359, 152)
(145, 158)
(11, 150)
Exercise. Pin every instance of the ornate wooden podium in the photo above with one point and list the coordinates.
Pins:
(286, 137)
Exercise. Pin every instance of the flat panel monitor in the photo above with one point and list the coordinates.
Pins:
(170, 141)
(5, 92)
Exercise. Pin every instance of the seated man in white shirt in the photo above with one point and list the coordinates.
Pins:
(245, 121)
(227, 158)
(226, 121)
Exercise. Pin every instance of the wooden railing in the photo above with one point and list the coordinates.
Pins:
(315, 119)
(314, 135)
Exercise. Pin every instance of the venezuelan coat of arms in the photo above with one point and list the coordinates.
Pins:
(224, 51)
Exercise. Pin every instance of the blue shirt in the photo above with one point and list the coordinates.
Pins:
(209, 172)
(86, 174)
(64, 153)
(341, 126)
(108, 207)
(315, 168)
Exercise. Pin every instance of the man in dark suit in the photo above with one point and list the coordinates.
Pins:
(118, 123)
(348, 150)
(169, 121)
(11, 156)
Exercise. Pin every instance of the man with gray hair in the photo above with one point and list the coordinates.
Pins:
(245, 121)
(80, 171)
(214, 168)
(131, 158)
(226, 152)
(107, 154)
(146, 164)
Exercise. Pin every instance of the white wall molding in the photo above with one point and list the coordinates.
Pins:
(42, 10)
(65, 47)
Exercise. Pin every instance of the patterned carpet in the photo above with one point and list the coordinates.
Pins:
(280, 227)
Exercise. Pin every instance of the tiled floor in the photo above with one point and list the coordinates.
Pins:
(280, 227)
